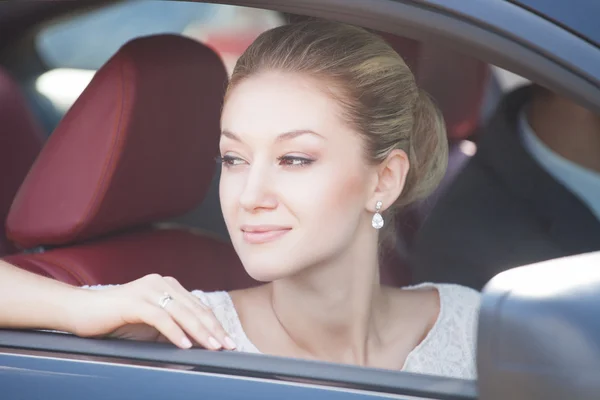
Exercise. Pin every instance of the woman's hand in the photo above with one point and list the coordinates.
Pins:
(138, 310)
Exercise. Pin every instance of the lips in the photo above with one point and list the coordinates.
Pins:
(258, 234)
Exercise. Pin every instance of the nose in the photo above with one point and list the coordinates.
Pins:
(257, 194)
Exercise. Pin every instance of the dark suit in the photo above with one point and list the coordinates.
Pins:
(502, 211)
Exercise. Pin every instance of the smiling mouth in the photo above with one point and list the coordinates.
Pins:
(263, 234)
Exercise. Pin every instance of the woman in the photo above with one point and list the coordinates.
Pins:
(324, 135)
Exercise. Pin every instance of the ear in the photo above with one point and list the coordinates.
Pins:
(390, 178)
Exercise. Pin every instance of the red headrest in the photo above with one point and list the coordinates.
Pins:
(137, 146)
(457, 82)
(21, 140)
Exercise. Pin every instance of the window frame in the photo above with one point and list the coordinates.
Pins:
(497, 32)
(42, 351)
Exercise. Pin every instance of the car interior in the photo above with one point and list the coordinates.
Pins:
(87, 226)
(143, 158)
(103, 181)
(20, 143)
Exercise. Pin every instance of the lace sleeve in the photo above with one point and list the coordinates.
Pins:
(449, 349)
(97, 287)
(222, 307)
(469, 302)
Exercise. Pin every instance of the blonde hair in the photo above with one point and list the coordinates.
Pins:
(374, 86)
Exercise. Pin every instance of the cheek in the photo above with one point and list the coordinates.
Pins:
(337, 193)
(229, 193)
(349, 194)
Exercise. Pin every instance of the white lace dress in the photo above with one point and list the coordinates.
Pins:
(448, 350)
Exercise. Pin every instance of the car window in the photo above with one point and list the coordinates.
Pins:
(74, 48)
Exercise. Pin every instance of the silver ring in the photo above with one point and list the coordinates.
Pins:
(164, 300)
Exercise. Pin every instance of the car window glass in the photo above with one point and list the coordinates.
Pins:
(74, 48)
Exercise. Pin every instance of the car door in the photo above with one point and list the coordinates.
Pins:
(60, 366)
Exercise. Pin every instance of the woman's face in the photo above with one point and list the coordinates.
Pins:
(295, 184)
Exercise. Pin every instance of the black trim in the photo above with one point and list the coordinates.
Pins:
(242, 364)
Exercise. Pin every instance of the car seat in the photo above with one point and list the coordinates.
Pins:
(137, 147)
(21, 139)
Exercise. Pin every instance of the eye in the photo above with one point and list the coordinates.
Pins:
(231, 161)
(295, 161)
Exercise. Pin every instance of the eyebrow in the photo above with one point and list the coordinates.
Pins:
(281, 137)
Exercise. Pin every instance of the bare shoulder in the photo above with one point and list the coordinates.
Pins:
(423, 298)
(250, 302)
(418, 307)
(435, 302)
(440, 293)
(248, 296)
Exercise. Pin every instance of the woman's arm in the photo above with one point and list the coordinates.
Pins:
(31, 301)
(133, 310)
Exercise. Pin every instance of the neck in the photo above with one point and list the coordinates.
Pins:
(568, 129)
(328, 310)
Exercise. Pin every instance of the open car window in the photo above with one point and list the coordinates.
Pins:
(75, 47)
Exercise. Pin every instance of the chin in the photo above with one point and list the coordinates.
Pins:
(265, 262)
(265, 269)
(280, 259)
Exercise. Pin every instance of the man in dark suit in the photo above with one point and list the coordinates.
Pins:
(530, 193)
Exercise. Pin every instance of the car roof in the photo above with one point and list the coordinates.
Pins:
(578, 16)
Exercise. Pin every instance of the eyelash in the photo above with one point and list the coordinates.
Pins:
(228, 161)
(288, 161)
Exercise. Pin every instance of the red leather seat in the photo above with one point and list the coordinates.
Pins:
(137, 147)
(21, 139)
(457, 83)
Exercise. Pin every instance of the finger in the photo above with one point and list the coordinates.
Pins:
(164, 323)
(206, 316)
(192, 324)
(210, 321)
(177, 309)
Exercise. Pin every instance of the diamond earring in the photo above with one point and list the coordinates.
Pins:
(377, 221)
